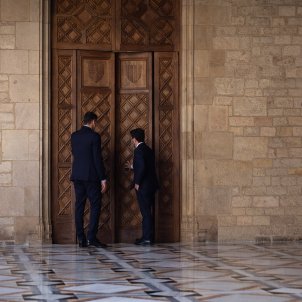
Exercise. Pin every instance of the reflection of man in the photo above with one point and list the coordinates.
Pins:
(145, 183)
(88, 176)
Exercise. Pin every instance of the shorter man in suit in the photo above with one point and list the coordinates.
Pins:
(145, 183)
(89, 179)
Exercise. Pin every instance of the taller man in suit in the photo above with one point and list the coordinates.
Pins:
(89, 178)
(145, 183)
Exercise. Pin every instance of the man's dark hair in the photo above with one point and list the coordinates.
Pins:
(89, 117)
(138, 134)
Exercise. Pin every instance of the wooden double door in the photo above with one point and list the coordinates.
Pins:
(126, 91)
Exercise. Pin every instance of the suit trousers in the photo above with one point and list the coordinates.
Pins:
(92, 191)
(146, 206)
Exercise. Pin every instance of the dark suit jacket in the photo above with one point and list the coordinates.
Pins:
(144, 169)
(87, 156)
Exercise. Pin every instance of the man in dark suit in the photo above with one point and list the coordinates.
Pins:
(89, 178)
(145, 183)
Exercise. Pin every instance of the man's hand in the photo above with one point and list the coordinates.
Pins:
(128, 165)
(136, 186)
(104, 186)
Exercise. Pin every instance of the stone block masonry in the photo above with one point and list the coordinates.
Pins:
(241, 120)
(20, 156)
(248, 141)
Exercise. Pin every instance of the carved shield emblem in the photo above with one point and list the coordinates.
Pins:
(96, 70)
(133, 72)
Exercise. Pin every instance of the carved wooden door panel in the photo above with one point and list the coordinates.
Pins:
(146, 96)
(151, 25)
(126, 90)
(64, 123)
(96, 93)
(166, 137)
(133, 110)
(85, 24)
(83, 81)
(114, 25)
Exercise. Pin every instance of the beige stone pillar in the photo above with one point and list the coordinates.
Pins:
(24, 106)
(45, 114)
(187, 125)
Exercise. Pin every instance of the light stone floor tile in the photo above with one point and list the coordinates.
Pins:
(121, 299)
(284, 271)
(104, 288)
(249, 298)
(163, 272)
(287, 290)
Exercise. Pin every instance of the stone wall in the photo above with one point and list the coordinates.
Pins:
(241, 120)
(20, 120)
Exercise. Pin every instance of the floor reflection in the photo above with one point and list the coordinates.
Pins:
(163, 272)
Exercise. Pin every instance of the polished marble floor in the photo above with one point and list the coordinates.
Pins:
(163, 272)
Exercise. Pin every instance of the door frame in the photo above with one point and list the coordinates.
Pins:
(131, 232)
(179, 139)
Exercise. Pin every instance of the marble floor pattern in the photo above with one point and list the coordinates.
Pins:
(162, 272)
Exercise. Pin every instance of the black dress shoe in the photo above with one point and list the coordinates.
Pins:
(83, 243)
(96, 243)
(138, 240)
(143, 242)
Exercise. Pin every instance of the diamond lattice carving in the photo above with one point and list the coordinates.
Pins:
(84, 22)
(162, 33)
(99, 103)
(163, 7)
(64, 115)
(68, 30)
(133, 113)
(166, 159)
(100, 7)
(64, 133)
(133, 33)
(165, 118)
(99, 33)
(84, 16)
(148, 23)
(64, 192)
(166, 77)
(64, 80)
(66, 6)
